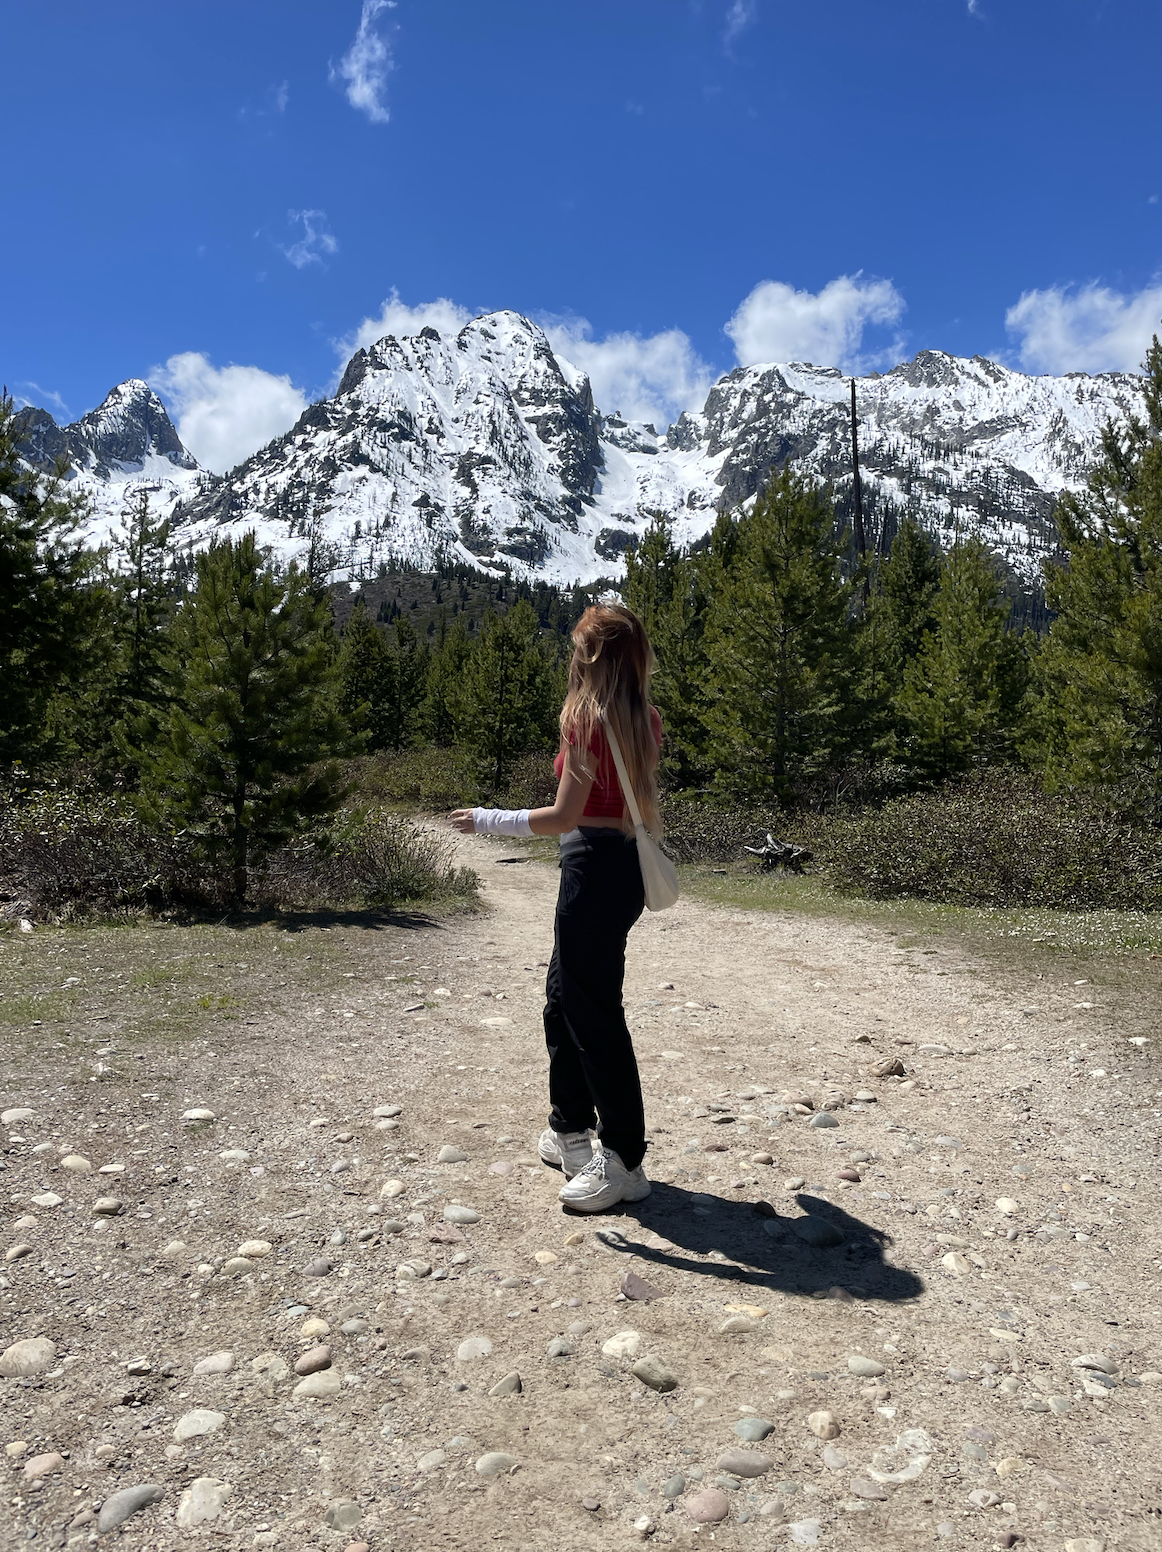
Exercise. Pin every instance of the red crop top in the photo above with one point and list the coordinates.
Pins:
(605, 799)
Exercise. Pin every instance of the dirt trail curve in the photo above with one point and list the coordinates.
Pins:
(872, 1302)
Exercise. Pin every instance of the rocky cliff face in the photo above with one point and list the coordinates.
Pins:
(486, 447)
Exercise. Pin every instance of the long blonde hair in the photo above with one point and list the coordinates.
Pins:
(609, 676)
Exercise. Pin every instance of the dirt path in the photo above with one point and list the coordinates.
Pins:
(979, 1428)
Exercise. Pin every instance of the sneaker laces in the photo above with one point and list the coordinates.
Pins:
(595, 1167)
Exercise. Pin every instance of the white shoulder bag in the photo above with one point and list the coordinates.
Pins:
(659, 875)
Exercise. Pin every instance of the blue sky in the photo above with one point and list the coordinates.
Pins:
(224, 195)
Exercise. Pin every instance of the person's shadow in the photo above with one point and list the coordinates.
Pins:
(845, 1260)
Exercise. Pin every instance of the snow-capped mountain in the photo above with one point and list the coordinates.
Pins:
(127, 442)
(486, 447)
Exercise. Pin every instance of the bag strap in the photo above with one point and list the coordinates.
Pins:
(622, 775)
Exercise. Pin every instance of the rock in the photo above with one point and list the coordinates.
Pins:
(432, 1460)
(356, 1327)
(1097, 1361)
(904, 1461)
(216, 1363)
(199, 1113)
(865, 1097)
(510, 1385)
(804, 1533)
(833, 1459)
(108, 1206)
(237, 1266)
(734, 1324)
(342, 1514)
(390, 1189)
(75, 1162)
(1084, 1544)
(255, 1249)
(981, 1498)
(675, 1486)
(955, 1263)
(866, 1368)
(1008, 1467)
(817, 1232)
(654, 1373)
(823, 1118)
(626, 1344)
(496, 1463)
(450, 1155)
(762, 1158)
(744, 1463)
(315, 1326)
(314, 1361)
(320, 1386)
(16, 1117)
(32, 1356)
(139, 1366)
(17, 1252)
(638, 1289)
(175, 1248)
(43, 1466)
(234, 1156)
(119, 1506)
(319, 1267)
(823, 1425)
(1006, 1205)
(191, 1425)
(203, 1500)
(473, 1347)
(848, 1174)
(862, 1488)
(272, 1366)
(752, 1430)
(591, 1503)
(707, 1507)
(560, 1347)
(17, 1448)
(889, 1067)
(455, 1213)
(388, 1112)
(47, 1199)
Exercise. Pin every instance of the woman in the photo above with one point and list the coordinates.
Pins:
(593, 1074)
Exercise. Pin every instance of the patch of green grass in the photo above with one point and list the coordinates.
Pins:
(22, 1008)
(167, 973)
(1079, 933)
(219, 1003)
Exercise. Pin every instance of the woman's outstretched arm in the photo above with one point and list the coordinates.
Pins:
(562, 815)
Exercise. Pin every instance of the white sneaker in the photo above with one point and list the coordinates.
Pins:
(570, 1151)
(603, 1183)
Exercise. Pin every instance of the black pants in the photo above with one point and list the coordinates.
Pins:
(593, 1076)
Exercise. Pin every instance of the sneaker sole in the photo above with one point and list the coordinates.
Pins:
(579, 1205)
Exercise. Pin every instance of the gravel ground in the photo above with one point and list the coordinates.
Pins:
(884, 1315)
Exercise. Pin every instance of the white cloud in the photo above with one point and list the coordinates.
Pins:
(226, 413)
(396, 317)
(1088, 329)
(317, 238)
(48, 394)
(367, 64)
(777, 323)
(651, 377)
(741, 15)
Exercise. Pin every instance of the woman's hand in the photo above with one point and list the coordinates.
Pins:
(461, 819)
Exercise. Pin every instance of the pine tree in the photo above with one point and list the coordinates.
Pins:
(48, 609)
(367, 677)
(899, 619)
(1099, 717)
(406, 714)
(145, 594)
(778, 643)
(445, 674)
(505, 703)
(962, 694)
(250, 754)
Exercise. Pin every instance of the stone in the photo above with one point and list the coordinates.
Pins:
(235, 1156)
(314, 1360)
(862, 1488)
(762, 1158)
(735, 1324)
(215, 1363)
(17, 1117)
(17, 1448)
(319, 1267)
(707, 1507)
(1084, 1544)
(450, 1155)
(432, 1460)
(638, 1289)
(199, 1113)
(47, 1199)
(320, 1386)
(545, 1257)
(905, 1460)
(560, 1347)
(119, 1506)
(237, 1266)
(43, 1466)
(804, 1533)
(1008, 1467)
(203, 1500)
(139, 1366)
(955, 1263)
(510, 1385)
(32, 1356)
(192, 1425)
(390, 1189)
(273, 1366)
(675, 1486)
(356, 1327)
(342, 1514)
(626, 1344)
(315, 1326)
(17, 1252)
(1006, 1205)
(255, 1249)
(654, 1373)
(388, 1112)
(108, 1206)
(175, 1248)
(852, 1175)
(473, 1347)
(495, 1463)
(744, 1463)
(823, 1118)
(889, 1067)
(752, 1430)
(455, 1213)
(866, 1368)
(1097, 1361)
(77, 1163)
(833, 1459)
(817, 1232)
(823, 1425)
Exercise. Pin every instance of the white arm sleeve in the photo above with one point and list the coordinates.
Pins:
(501, 821)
